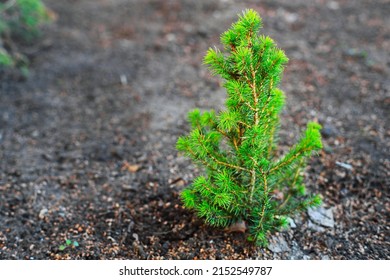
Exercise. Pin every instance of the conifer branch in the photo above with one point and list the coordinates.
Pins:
(265, 182)
(205, 163)
(283, 163)
(228, 164)
(271, 140)
(222, 162)
(253, 183)
(254, 93)
(227, 137)
(244, 124)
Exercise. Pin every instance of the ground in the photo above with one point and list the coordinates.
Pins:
(87, 140)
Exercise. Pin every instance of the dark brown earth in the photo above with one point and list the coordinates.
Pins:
(87, 141)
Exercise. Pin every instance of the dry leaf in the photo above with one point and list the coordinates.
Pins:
(130, 167)
(278, 194)
(239, 226)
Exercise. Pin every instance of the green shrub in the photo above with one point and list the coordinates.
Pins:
(245, 181)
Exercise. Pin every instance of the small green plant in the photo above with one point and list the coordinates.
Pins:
(5, 58)
(20, 20)
(245, 180)
(68, 243)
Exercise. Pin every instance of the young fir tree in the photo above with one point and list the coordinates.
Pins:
(245, 181)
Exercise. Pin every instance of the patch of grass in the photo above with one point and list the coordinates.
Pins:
(68, 243)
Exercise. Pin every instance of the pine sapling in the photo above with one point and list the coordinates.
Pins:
(245, 180)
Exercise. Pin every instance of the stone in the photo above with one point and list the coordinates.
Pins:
(42, 213)
(278, 244)
(291, 222)
(321, 216)
(329, 130)
(315, 227)
(129, 188)
(296, 252)
(333, 5)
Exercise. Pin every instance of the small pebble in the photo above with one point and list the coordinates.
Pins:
(321, 216)
(43, 213)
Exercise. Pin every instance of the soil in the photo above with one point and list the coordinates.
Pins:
(87, 140)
